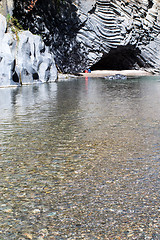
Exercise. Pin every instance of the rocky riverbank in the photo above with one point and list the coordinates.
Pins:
(24, 58)
(128, 73)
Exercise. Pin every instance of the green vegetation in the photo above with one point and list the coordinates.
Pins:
(13, 25)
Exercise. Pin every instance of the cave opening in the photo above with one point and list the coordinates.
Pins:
(120, 58)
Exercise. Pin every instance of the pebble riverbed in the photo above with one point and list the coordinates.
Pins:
(80, 160)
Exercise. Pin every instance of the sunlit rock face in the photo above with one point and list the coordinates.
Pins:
(24, 58)
(6, 7)
(96, 34)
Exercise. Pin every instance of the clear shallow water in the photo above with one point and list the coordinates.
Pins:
(80, 160)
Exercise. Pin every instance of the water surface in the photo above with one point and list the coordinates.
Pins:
(80, 160)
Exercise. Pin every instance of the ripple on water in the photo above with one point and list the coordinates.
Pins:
(80, 162)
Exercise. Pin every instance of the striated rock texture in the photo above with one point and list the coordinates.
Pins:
(125, 33)
(96, 34)
(24, 58)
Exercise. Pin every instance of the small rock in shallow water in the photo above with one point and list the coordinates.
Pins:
(36, 211)
(43, 232)
(28, 235)
(40, 238)
(116, 77)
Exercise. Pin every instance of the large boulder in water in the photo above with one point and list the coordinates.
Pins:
(24, 58)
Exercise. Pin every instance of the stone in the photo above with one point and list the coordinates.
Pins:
(85, 5)
(24, 58)
(34, 60)
(116, 77)
(3, 26)
(6, 63)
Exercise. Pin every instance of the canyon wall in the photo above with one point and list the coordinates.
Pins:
(121, 34)
(96, 34)
(24, 58)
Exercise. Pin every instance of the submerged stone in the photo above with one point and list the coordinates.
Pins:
(116, 77)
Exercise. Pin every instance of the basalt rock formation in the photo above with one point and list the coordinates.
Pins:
(96, 34)
(24, 58)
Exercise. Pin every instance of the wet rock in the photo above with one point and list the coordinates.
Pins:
(28, 235)
(35, 211)
(116, 77)
(43, 232)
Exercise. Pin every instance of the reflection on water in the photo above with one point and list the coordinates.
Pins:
(80, 160)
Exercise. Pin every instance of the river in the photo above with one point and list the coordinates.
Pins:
(80, 160)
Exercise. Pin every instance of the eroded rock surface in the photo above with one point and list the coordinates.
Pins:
(24, 58)
(121, 34)
(125, 33)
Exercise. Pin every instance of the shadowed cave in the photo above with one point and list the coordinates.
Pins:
(121, 58)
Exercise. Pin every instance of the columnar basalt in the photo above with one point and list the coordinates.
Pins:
(104, 34)
(24, 58)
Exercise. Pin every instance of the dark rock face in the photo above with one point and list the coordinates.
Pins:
(58, 24)
(96, 34)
